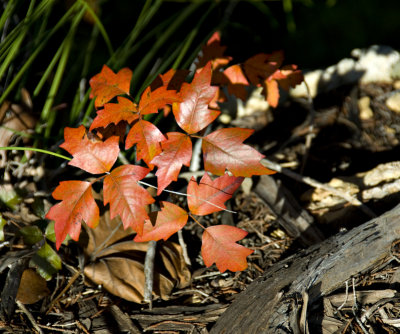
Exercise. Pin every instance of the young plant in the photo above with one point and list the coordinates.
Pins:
(224, 153)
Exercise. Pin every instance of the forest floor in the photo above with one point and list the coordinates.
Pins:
(351, 132)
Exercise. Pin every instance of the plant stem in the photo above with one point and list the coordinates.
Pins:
(35, 150)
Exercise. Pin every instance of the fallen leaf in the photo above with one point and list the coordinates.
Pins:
(32, 287)
(117, 263)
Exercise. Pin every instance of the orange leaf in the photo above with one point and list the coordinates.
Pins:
(272, 92)
(107, 85)
(192, 114)
(124, 110)
(223, 150)
(209, 196)
(95, 157)
(214, 52)
(148, 138)
(168, 221)
(173, 79)
(176, 151)
(127, 199)
(236, 81)
(261, 66)
(151, 101)
(77, 205)
(219, 246)
(291, 77)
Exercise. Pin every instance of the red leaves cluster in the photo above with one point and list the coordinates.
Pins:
(194, 108)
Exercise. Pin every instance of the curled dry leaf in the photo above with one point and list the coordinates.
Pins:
(117, 262)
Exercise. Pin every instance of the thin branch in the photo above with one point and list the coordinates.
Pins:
(29, 315)
(314, 183)
(149, 273)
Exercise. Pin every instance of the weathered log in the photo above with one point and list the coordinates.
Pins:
(277, 301)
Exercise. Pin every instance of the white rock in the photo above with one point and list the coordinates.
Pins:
(370, 65)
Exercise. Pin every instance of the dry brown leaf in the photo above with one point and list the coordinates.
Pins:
(117, 262)
(32, 287)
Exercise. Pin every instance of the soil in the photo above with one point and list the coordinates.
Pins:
(339, 144)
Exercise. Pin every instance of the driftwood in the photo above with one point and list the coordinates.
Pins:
(279, 301)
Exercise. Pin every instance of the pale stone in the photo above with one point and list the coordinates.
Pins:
(374, 64)
(364, 108)
(396, 84)
(393, 102)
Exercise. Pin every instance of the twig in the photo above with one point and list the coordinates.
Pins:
(29, 315)
(354, 308)
(314, 183)
(71, 281)
(310, 135)
(124, 320)
(346, 297)
(184, 248)
(149, 273)
(81, 327)
(58, 329)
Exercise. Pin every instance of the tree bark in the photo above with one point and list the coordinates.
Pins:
(277, 301)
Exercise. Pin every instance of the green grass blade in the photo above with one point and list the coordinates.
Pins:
(7, 13)
(46, 115)
(100, 26)
(39, 48)
(164, 38)
(17, 148)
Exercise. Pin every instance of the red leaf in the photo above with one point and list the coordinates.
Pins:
(202, 196)
(77, 205)
(214, 52)
(261, 66)
(151, 101)
(95, 157)
(192, 114)
(148, 138)
(107, 84)
(176, 151)
(236, 81)
(168, 221)
(291, 77)
(124, 110)
(127, 199)
(219, 246)
(224, 150)
(173, 79)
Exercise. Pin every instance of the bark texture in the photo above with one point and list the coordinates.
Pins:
(277, 302)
